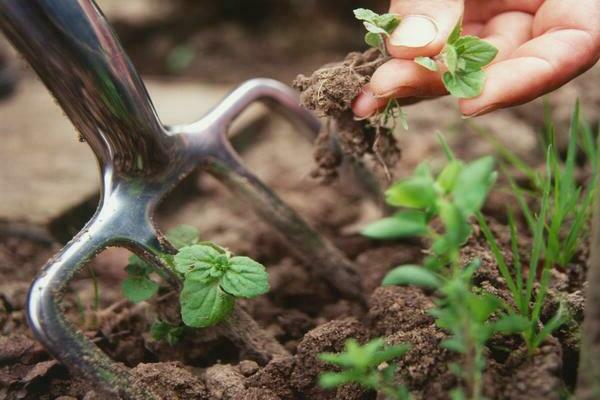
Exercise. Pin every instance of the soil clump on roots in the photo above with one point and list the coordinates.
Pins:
(329, 92)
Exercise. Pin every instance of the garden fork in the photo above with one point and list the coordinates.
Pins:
(74, 51)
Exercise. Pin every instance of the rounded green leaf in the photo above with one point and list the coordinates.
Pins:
(139, 288)
(203, 305)
(183, 235)
(199, 257)
(464, 85)
(415, 192)
(412, 275)
(245, 278)
(408, 223)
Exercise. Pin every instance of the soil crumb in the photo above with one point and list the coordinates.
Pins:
(170, 380)
(329, 92)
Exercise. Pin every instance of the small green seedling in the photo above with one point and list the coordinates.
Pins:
(378, 27)
(461, 62)
(463, 59)
(162, 330)
(139, 286)
(453, 197)
(369, 366)
(212, 279)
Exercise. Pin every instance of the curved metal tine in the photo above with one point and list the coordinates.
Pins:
(222, 161)
(286, 101)
(128, 228)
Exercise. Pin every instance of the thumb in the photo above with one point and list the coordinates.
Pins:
(424, 26)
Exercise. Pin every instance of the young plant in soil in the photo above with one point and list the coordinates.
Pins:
(370, 366)
(212, 280)
(452, 199)
(559, 226)
(331, 89)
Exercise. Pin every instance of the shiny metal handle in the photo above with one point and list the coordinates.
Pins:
(74, 51)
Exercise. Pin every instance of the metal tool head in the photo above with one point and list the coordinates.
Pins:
(76, 54)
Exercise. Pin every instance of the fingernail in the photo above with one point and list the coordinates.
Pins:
(482, 111)
(414, 31)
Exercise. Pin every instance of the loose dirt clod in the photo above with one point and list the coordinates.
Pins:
(170, 381)
(329, 92)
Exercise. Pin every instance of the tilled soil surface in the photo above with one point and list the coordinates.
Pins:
(301, 312)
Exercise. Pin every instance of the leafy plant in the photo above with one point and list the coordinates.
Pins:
(378, 27)
(138, 286)
(462, 59)
(369, 366)
(212, 279)
(567, 203)
(557, 223)
(455, 195)
(162, 330)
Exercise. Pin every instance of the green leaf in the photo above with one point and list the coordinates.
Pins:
(374, 28)
(183, 235)
(403, 224)
(455, 35)
(245, 278)
(199, 257)
(447, 178)
(464, 85)
(374, 40)
(364, 14)
(139, 288)
(415, 192)
(482, 307)
(475, 52)
(137, 266)
(450, 55)
(388, 22)
(412, 275)
(203, 305)
(161, 330)
(455, 222)
(473, 185)
(331, 380)
(454, 344)
(511, 323)
(427, 62)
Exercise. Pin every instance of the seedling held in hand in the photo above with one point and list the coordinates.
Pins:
(369, 366)
(378, 27)
(463, 57)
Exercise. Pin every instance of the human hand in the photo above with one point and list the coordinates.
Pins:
(542, 45)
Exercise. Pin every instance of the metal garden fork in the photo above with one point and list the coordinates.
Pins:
(74, 51)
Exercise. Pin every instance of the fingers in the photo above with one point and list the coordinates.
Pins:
(397, 79)
(536, 68)
(405, 78)
(424, 27)
(507, 32)
(567, 43)
(482, 11)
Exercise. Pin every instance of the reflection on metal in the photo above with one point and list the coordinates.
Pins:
(76, 54)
